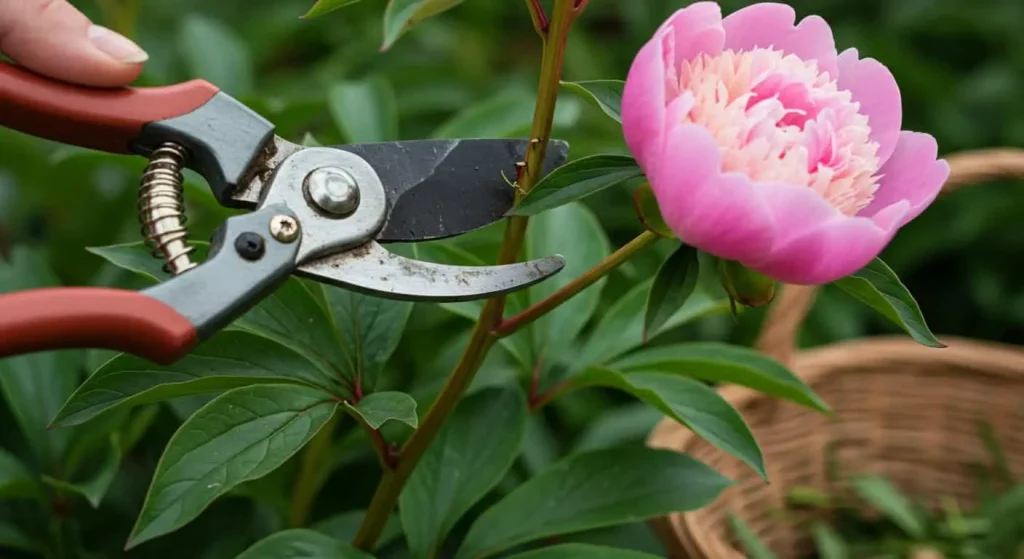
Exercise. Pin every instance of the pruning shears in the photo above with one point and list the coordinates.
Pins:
(322, 213)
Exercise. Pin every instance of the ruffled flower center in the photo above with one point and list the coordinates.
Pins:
(778, 118)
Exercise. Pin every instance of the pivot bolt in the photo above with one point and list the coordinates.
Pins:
(250, 246)
(284, 228)
(333, 190)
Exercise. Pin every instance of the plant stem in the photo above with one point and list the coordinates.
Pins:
(310, 480)
(482, 338)
(552, 302)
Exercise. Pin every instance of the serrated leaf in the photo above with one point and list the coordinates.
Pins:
(691, 403)
(346, 525)
(95, 487)
(468, 457)
(326, 6)
(719, 362)
(574, 232)
(755, 548)
(35, 385)
(877, 286)
(621, 328)
(582, 551)
(673, 284)
(577, 179)
(239, 436)
(229, 359)
(364, 111)
(881, 495)
(369, 328)
(299, 543)
(603, 94)
(506, 115)
(378, 408)
(214, 52)
(16, 480)
(592, 490)
(401, 15)
(649, 212)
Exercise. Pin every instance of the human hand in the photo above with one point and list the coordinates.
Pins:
(52, 37)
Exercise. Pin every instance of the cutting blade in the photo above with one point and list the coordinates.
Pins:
(443, 188)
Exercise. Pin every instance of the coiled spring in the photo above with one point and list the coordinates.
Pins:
(161, 208)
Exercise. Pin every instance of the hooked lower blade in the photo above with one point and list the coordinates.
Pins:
(443, 188)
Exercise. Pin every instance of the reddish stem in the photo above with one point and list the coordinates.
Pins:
(539, 401)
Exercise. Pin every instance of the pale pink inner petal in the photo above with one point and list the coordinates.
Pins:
(697, 29)
(779, 119)
(763, 25)
(875, 90)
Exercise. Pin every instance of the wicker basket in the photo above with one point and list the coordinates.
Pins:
(903, 410)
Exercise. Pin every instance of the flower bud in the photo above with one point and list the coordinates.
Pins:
(745, 286)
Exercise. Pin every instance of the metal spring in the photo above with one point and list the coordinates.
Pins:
(161, 208)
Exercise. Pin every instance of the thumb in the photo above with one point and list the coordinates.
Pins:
(52, 37)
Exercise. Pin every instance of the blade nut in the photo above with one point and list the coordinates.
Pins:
(284, 228)
(332, 190)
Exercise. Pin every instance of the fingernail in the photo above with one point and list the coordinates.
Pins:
(116, 46)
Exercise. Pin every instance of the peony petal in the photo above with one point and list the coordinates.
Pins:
(826, 253)
(761, 25)
(912, 174)
(874, 87)
(697, 29)
(721, 214)
(644, 100)
(795, 210)
(812, 40)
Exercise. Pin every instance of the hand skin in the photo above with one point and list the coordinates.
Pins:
(53, 38)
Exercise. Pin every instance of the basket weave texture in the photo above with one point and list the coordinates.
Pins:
(902, 410)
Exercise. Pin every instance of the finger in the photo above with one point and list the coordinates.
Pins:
(52, 37)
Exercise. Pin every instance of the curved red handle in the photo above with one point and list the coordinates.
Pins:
(90, 117)
(93, 317)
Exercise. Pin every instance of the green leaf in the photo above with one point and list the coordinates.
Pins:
(310, 141)
(673, 285)
(621, 329)
(13, 538)
(346, 525)
(754, 547)
(619, 425)
(379, 408)
(577, 179)
(326, 6)
(506, 115)
(95, 487)
(691, 403)
(592, 490)
(648, 211)
(212, 51)
(603, 94)
(364, 111)
(582, 551)
(369, 328)
(16, 480)
(401, 15)
(877, 286)
(1007, 514)
(229, 359)
(828, 542)
(719, 362)
(574, 232)
(35, 385)
(299, 543)
(469, 456)
(239, 436)
(886, 499)
(136, 257)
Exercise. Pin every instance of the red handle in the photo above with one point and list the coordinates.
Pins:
(97, 118)
(93, 317)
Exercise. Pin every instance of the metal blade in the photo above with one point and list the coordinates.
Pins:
(374, 270)
(442, 188)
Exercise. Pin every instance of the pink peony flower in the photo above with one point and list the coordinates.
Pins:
(765, 146)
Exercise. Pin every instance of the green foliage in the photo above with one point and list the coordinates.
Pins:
(673, 285)
(577, 179)
(603, 94)
(300, 544)
(379, 408)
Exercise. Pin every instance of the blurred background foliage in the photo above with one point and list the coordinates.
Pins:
(472, 72)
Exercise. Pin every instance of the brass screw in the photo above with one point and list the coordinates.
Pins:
(284, 228)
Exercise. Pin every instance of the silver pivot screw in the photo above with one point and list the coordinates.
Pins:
(284, 228)
(333, 190)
